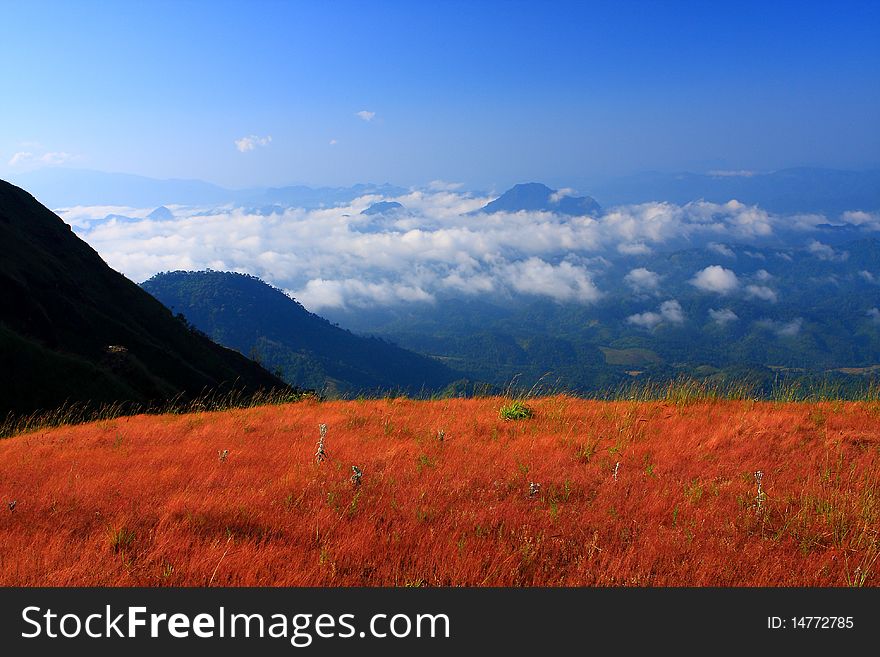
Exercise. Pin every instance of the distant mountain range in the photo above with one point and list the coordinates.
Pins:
(74, 330)
(244, 313)
(536, 197)
(317, 197)
(786, 191)
(59, 187)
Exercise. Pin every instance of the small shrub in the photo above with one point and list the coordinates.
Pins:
(516, 410)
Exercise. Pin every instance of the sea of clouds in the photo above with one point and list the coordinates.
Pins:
(339, 258)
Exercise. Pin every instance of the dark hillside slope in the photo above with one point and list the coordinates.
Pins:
(74, 330)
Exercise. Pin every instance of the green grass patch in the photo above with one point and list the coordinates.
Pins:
(516, 410)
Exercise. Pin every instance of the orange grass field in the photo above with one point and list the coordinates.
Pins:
(146, 500)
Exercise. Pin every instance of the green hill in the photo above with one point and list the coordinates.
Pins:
(244, 313)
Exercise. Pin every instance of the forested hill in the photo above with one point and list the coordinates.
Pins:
(244, 313)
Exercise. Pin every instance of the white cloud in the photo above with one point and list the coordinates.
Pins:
(319, 293)
(56, 158)
(560, 194)
(336, 256)
(761, 292)
(328, 260)
(791, 328)
(783, 329)
(562, 282)
(825, 252)
(646, 320)
(725, 173)
(700, 220)
(21, 157)
(723, 315)
(715, 278)
(868, 276)
(869, 220)
(443, 186)
(806, 222)
(633, 230)
(365, 115)
(465, 281)
(874, 314)
(333, 142)
(670, 311)
(250, 142)
(642, 280)
(634, 248)
(763, 275)
(51, 159)
(721, 249)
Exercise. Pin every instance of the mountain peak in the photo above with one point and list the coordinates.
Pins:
(537, 197)
(384, 207)
(161, 214)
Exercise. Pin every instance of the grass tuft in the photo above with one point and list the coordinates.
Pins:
(516, 410)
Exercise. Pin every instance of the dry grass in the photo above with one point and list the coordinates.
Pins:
(146, 500)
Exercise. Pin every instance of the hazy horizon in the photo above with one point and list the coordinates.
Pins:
(25, 174)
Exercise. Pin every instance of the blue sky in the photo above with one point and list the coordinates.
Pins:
(485, 93)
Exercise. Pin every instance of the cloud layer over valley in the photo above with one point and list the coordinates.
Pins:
(339, 258)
